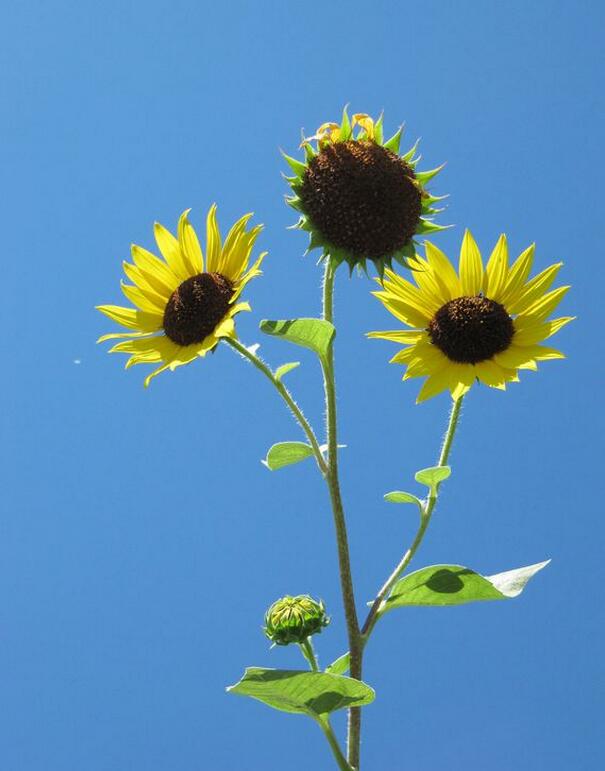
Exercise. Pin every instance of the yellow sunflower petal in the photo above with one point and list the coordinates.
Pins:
(530, 330)
(213, 243)
(190, 245)
(496, 270)
(226, 328)
(533, 290)
(516, 357)
(148, 263)
(517, 275)
(493, 374)
(131, 318)
(433, 385)
(544, 306)
(235, 262)
(443, 268)
(408, 314)
(462, 377)
(399, 335)
(248, 276)
(122, 335)
(430, 283)
(171, 252)
(145, 300)
(470, 267)
(148, 281)
(400, 289)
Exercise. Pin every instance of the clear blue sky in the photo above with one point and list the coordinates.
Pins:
(140, 538)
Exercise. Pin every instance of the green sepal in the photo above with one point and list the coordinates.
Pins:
(441, 585)
(345, 126)
(425, 176)
(285, 368)
(295, 202)
(309, 152)
(297, 167)
(315, 334)
(286, 453)
(407, 157)
(340, 666)
(433, 476)
(399, 496)
(378, 132)
(308, 693)
(426, 226)
(394, 141)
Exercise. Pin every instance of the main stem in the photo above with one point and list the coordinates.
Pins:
(344, 562)
(425, 519)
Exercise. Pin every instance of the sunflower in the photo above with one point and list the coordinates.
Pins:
(184, 305)
(358, 198)
(482, 325)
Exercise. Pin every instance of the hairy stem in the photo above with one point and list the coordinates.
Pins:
(309, 653)
(344, 562)
(341, 761)
(286, 396)
(425, 519)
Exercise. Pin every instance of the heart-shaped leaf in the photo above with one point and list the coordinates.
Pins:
(315, 334)
(310, 693)
(457, 585)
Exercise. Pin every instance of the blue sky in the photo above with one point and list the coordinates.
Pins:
(141, 539)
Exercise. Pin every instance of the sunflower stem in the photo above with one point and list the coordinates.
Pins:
(341, 761)
(425, 518)
(286, 396)
(344, 562)
(308, 652)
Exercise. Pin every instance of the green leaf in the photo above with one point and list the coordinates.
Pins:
(433, 476)
(394, 141)
(315, 334)
(285, 368)
(426, 226)
(340, 666)
(286, 453)
(456, 585)
(399, 496)
(345, 126)
(308, 693)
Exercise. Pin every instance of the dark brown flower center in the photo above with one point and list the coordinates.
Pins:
(361, 197)
(196, 307)
(471, 329)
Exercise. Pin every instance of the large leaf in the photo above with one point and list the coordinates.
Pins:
(287, 453)
(315, 334)
(457, 585)
(309, 693)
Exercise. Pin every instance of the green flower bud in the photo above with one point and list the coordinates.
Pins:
(293, 619)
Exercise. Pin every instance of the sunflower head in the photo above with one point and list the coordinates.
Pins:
(477, 324)
(358, 198)
(185, 301)
(293, 619)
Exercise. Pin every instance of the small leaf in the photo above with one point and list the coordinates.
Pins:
(426, 226)
(340, 666)
(393, 143)
(308, 693)
(398, 496)
(285, 368)
(315, 334)
(424, 176)
(433, 476)
(286, 453)
(441, 585)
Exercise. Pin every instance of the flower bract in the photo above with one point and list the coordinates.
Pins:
(186, 301)
(480, 324)
(358, 198)
(293, 619)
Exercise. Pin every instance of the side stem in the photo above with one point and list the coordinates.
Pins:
(286, 396)
(425, 519)
(344, 562)
(341, 761)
